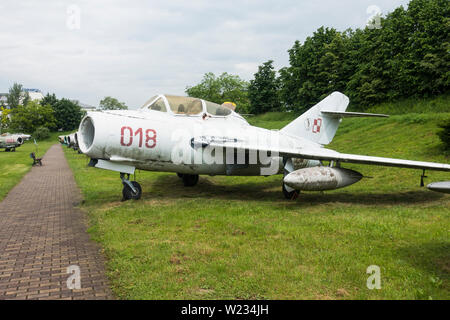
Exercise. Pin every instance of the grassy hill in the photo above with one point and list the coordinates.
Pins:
(238, 238)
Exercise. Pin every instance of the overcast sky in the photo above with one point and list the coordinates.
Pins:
(131, 50)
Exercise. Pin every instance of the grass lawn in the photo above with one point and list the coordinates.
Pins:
(14, 165)
(238, 238)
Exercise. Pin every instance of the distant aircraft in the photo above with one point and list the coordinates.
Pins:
(24, 136)
(71, 140)
(10, 142)
(192, 137)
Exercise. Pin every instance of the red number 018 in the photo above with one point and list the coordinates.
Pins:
(150, 137)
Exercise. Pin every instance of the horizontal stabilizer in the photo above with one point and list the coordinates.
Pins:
(343, 114)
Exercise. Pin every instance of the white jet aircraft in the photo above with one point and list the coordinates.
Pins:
(192, 136)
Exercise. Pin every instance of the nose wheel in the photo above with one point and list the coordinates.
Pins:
(131, 189)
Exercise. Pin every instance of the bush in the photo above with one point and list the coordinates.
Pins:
(445, 134)
(41, 133)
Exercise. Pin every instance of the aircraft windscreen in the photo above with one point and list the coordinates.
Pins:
(216, 109)
(158, 105)
(185, 105)
(146, 104)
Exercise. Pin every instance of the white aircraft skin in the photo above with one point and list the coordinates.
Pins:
(207, 142)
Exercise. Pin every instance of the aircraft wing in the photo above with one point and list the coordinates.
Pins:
(330, 155)
(343, 114)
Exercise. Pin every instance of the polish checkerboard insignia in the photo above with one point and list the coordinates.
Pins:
(317, 125)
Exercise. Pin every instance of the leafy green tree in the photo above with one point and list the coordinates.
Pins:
(263, 91)
(318, 67)
(49, 99)
(68, 114)
(32, 116)
(110, 103)
(25, 98)
(409, 56)
(14, 95)
(4, 119)
(226, 87)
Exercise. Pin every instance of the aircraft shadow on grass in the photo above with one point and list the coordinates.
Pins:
(170, 186)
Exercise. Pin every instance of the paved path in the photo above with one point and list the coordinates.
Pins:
(41, 234)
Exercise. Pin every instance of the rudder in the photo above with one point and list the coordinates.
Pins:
(315, 126)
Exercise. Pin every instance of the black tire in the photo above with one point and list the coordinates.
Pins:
(290, 195)
(13, 150)
(7, 150)
(180, 175)
(128, 193)
(190, 180)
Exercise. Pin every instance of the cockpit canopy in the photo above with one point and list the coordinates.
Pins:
(185, 106)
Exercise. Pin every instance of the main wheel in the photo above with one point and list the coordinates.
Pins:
(290, 195)
(190, 180)
(13, 150)
(128, 193)
(6, 149)
(180, 175)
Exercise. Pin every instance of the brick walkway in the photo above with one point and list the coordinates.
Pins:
(41, 234)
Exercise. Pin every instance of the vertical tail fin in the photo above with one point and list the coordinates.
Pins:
(315, 126)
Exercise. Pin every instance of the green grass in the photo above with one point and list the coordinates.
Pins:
(438, 104)
(14, 165)
(237, 238)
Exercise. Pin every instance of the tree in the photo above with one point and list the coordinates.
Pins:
(408, 56)
(226, 87)
(110, 103)
(32, 116)
(4, 119)
(67, 113)
(263, 90)
(14, 95)
(49, 99)
(25, 98)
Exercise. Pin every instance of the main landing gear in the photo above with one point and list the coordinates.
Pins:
(131, 189)
(289, 193)
(189, 180)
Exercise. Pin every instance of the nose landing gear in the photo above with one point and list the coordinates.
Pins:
(131, 189)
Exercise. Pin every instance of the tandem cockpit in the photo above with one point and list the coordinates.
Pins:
(188, 106)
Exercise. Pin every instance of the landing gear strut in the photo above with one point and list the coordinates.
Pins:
(289, 193)
(422, 177)
(131, 189)
(189, 180)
